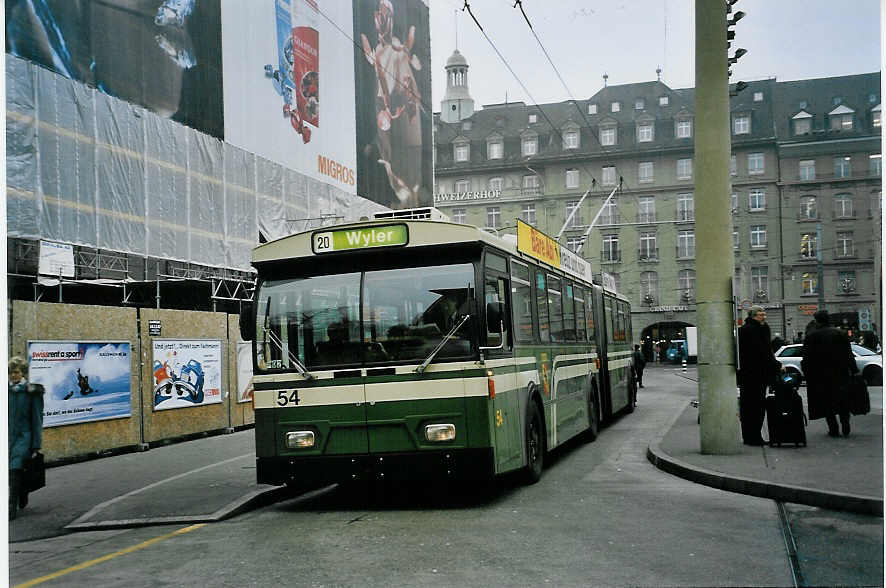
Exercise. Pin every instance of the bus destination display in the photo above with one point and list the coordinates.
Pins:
(360, 238)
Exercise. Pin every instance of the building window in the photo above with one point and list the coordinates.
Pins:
(572, 178)
(757, 200)
(684, 169)
(735, 239)
(755, 163)
(495, 183)
(837, 100)
(639, 104)
(808, 208)
(459, 215)
(616, 106)
(758, 96)
(528, 214)
(577, 220)
(808, 245)
(807, 169)
(462, 151)
(663, 100)
(846, 281)
(876, 164)
(685, 244)
(646, 209)
(809, 283)
(843, 206)
(645, 171)
(686, 281)
(607, 136)
(533, 118)
(758, 236)
(609, 175)
(845, 244)
(531, 184)
(495, 149)
(609, 214)
(610, 249)
(842, 167)
(645, 132)
(529, 146)
(733, 165)
(648, 249)
(574, 243)
(736, 283)
(684, 129)
(733, 202)
(804, 105)
(760, 282)
(649, 287)
(685, 207)
(592, 109)
(841, 122)
(493, 217)
(741, 124)
(462, 186)
(803, 126)
(570, 140)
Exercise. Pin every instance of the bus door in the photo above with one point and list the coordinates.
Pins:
(605, 335)
(506, 418)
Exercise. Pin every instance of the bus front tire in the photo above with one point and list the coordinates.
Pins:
(535, 444)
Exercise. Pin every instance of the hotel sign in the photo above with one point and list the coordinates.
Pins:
(462, 196)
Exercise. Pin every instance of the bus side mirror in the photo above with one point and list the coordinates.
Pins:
(247, 320)
(494, 317)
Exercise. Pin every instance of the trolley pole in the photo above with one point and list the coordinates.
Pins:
(718, 403)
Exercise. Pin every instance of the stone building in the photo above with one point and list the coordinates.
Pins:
(804, 154)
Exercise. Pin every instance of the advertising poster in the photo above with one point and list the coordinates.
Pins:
(186, 373)
(244, 371)
(289, 85)
(84, 381)
(162, 54)
(392, 64)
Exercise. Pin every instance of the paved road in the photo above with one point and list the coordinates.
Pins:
(601, 515)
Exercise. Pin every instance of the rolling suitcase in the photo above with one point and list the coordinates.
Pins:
(784, 413)
(859, 398)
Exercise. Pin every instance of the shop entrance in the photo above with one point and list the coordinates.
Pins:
(656, 338)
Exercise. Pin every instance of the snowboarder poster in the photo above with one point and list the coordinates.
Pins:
(84, 381)
(186, 373)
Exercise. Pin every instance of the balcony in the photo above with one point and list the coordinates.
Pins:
(610, 256)
(532, 191)
(609, 219)
(685, 216)
(648, 254)
(646, 217)
(686, 252)
(845, 252)
(806, 215)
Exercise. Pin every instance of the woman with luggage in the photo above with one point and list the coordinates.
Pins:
(25, 430)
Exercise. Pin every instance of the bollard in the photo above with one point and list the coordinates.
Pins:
(684, 366)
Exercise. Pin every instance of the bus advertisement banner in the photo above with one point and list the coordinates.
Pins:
(536, 244)
(84, 381)
(186, 372)
(245, 387)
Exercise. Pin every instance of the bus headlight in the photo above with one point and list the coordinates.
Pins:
(299, 439)
(441, 432)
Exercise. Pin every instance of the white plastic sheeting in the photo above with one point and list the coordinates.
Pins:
(89, 169)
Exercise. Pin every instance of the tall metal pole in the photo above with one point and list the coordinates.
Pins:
(718, 404)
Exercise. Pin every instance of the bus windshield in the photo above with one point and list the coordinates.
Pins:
(360, 318)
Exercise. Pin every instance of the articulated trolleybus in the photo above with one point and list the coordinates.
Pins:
(400, 348)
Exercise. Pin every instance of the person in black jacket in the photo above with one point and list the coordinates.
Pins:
(757, 369)
(827, 364)
(639, 365)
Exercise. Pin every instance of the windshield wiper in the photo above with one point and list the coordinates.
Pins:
(424, 365)
(273, 338)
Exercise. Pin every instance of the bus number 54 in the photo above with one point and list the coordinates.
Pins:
(285, 398)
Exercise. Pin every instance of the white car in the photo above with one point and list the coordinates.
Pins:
(869, 363)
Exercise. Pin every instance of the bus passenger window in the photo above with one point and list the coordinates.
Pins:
(555, 305)
(580, 321)
(521, 299)
(609, 311)
(568, 313)
(589, 315)
(541, 306)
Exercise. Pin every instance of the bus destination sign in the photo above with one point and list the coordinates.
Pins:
(360, 238)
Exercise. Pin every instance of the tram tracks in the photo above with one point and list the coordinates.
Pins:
(790, 544)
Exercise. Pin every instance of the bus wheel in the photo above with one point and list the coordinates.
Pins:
(593, 415)
(535, 444)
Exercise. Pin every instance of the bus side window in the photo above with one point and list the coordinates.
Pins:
(541, 305)
(555, 306)
(609, 311)
(568, 312)
(589, 315)
(521, 301)
(580, 321)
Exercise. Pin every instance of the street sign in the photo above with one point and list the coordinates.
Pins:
(154, 328)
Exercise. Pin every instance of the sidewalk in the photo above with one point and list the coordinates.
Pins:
(844, 473)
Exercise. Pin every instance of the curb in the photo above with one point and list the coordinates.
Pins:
(782, 492)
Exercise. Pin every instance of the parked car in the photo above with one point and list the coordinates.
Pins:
(869, 363)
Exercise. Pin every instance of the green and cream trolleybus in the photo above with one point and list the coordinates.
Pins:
(399, 348)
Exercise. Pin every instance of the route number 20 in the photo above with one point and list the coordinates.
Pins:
(285, 398)
(323, 242)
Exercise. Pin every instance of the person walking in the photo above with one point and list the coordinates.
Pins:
(25, 430)
(757, 369)
(827, 364)
(639, 365)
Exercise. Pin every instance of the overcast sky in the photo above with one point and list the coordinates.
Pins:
(629, 39)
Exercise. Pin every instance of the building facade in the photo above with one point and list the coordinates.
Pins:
(805, 171)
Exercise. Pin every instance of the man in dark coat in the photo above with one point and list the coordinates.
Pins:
(827, 364)
(757, 369)
(639, 365)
